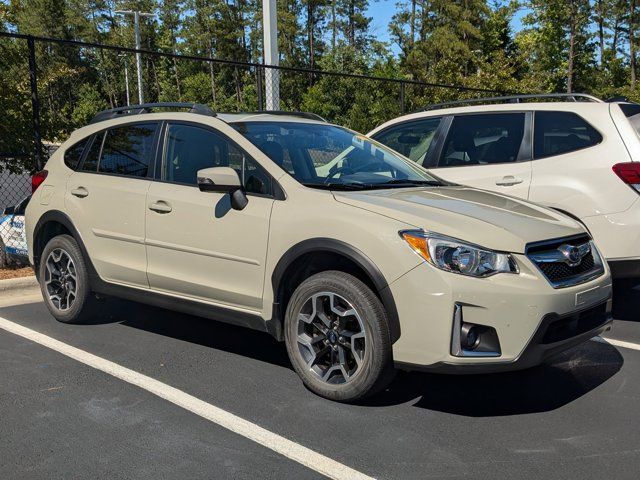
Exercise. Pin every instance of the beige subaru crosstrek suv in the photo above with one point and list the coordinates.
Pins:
(245, 218)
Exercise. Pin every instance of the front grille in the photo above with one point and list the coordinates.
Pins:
(555, 266)
(576, 324)
(560, 271)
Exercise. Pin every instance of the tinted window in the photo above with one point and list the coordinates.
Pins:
(483, 139)
(128, 150)
(189, 149)
(561, 132)
(90, 163)
(73, 155)
(412, 139)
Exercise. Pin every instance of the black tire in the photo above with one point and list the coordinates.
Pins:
(82, 307)
(376, 368)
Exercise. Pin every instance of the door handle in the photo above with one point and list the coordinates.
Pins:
(508, 181)
(160, 207)
(80, 192)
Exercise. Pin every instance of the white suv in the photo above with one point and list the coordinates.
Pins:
(358, 267)
(574, 153)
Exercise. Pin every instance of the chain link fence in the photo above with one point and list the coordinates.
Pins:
(53, 86)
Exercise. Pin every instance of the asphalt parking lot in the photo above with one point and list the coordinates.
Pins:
(574, 417)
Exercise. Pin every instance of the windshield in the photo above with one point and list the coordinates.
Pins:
(327, 156)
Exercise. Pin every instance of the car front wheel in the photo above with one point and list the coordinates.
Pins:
(337, 337)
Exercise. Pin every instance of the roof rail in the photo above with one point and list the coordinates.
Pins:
(567, 97)
(148, 107)
(307, 115)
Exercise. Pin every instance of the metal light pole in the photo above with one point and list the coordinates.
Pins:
(271, 57)
(136, 26)
(126, 76)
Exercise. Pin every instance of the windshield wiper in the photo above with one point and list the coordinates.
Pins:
(338, 186)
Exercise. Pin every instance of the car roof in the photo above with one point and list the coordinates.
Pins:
(576, 107)
(296, 117)
(204, 110)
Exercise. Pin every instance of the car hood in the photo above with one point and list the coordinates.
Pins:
(492, 220)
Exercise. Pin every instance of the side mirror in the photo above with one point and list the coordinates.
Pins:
(223, 180)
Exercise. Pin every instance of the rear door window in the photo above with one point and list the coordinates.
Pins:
(90, 163)
(128, 150)
(556, 133)
(412, 139)
(483, 139)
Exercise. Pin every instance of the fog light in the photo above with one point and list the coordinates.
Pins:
(469, 337)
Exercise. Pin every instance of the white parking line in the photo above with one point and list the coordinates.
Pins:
(290, 449)
(617, 343)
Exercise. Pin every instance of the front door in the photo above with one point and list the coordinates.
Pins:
(488, 151)
(197, 245)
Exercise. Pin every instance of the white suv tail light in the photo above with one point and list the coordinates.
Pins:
(37, 179)
(629, 173)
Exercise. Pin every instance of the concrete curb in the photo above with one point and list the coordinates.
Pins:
(18, 283)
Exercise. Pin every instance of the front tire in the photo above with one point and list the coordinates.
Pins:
(337, 337)
(64, 281)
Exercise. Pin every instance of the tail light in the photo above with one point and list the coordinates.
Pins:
(629, 173)
(37, 179)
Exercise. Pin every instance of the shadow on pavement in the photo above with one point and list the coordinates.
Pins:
(626, 300)
(561, 380)
(201, 331)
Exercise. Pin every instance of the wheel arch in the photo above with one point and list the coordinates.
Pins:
(53, 223)
(321, 254)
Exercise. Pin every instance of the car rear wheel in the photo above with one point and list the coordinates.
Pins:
(64, 281)
(337, 337)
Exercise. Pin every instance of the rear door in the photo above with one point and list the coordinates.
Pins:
(491, 151)
(105, 199)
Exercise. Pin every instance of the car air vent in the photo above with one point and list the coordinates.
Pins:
(566, 261)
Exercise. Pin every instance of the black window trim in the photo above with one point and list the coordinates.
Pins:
(533, 130)
(278, 192)
(150, 170)
(525, 152)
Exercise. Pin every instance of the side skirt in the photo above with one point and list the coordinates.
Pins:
(182, 305)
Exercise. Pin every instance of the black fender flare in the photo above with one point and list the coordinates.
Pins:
(352, 253)
(63, 219)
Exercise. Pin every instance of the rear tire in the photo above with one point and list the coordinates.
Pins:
(337, 337)
(64, 281)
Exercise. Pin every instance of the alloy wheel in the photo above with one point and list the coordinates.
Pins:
(331, 337)
(60, 279)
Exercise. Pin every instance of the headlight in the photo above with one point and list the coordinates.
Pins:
(458, 257)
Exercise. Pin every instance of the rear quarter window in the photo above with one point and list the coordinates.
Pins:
(556, 133)
(73, 155)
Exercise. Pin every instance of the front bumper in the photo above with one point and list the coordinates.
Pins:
(569, 330)
(521, 308)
